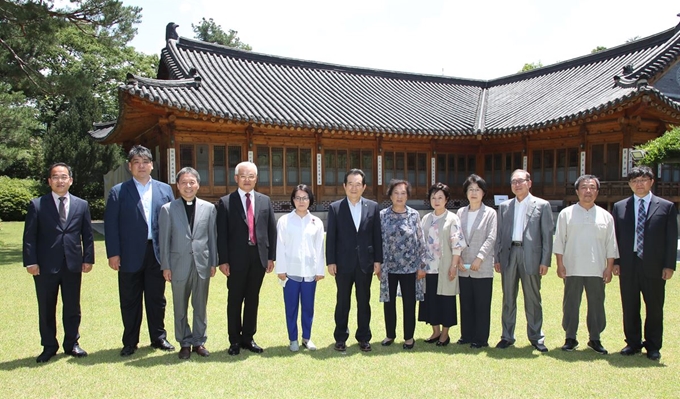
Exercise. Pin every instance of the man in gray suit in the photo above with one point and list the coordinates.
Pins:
(523, 254)
(188, 249)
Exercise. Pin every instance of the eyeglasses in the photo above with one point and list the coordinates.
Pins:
(474, 190)
(301, 199)
(248, 177)
(517, 182)
(62, 177)
(641, 180)
(190, 183)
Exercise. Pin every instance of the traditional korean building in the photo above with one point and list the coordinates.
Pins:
(211, 107)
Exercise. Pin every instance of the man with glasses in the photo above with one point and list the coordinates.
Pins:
(58, 248)
(585, 249)
(523, 254)
(647, 234)
(246, 247)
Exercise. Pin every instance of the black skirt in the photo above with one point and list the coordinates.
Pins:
(437, 309)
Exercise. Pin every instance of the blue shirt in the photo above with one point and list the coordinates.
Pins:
(145, 192)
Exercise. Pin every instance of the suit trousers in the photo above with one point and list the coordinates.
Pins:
(475, 309)
(512, 274)
(407, 283)
(653, 291)
(196, 288)
(147, 282)
(573, 291)
(243, 297)
(298, 294)
(344, 283)
(47, 288)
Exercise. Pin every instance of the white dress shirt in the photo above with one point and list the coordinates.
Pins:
(520, 216)
(299, 247)
(145, 193)
(355, 210)
(67, 202)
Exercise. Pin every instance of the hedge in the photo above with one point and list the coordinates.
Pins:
(15, 195)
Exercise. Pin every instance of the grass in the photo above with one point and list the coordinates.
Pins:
(453, 371)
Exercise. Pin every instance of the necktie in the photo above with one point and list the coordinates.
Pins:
(640, 228)
(251, 220)
(62, 211)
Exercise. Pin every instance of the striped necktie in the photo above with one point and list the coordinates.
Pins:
(640, 228)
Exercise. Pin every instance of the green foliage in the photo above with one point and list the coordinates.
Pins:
(209, 31)
(598, 49)
(531, 66)
(15, 195)
(97, 207)
(662, 148)
(18, 124)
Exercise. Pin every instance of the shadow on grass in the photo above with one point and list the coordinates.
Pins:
(10, 254)
(615, 359)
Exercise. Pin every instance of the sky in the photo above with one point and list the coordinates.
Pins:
(466, 39)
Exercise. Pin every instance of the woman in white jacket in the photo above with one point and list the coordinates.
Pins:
(300, 263)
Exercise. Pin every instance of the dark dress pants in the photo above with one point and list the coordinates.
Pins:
(47, 288)
(653, 291)
(244, 296)
(407, 283)
(344, 283)
(475, 309)
(149, 282)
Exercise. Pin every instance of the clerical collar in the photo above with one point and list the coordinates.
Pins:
(189, 203)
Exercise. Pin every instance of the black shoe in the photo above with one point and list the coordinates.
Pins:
(252, 346)
(476, 345)
(387, 342)
(77, 351)
(570, 344)
(444, 343)
(128, 350)
(539, 346)
(629, 350)
(462, 341)
(653, 355)
(234, 349)
(504, 343)
(432, 340)
(163, 344)
(365, 346)
(412, 344)
(340, 346)
(184, 352)
(597, 347)
(46, 355)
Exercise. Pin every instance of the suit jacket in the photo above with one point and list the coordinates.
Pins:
(660, 236)
(348, 248)
(126, 231)
(47, 243)
(537, 237)
(480, 242)
(183, 248)
(232, 230)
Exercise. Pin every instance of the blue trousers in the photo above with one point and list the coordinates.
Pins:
(294, 294)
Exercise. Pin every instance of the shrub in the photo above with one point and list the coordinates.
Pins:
(15, 195)
(97, 207)
(662, 148)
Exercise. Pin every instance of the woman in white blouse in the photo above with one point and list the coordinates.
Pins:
(300, 263)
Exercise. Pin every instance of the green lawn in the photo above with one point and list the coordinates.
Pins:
(453, 371)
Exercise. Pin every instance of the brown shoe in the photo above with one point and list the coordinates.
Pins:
(201, 351)
(184, 352)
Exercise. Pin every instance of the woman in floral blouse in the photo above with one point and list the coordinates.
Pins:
(445, 242)
(405, 261)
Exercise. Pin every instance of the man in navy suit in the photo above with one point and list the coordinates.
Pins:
(131, 235)
(58, 248)
(246, 247)
(646, 233)
(353, 254)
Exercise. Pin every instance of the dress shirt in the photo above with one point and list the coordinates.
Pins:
(67, 202)
(586, 239)
(520, 216)
(242, 194)
(299, 248)
(636, 199)
(355, 210)
(145, 193)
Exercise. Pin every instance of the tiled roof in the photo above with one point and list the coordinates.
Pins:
(227, 83)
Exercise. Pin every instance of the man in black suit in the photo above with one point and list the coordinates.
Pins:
(353, 253)
(58, 248)
(246, 246)
(647, 234)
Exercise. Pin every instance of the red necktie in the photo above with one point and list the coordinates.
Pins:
(251, 220)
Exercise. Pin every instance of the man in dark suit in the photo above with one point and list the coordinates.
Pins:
(246, 247)
(58, 248)
(523, 254)
(131, 235)
(353, 253)
(646, 233)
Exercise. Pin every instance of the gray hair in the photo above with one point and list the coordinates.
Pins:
(245, 164)
(188, 169)
(583, 178)
(141, 151)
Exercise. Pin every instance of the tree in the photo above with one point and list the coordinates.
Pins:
(18, 124)
(598, 49)
(531, 66)
(662, 148)
(209, 31)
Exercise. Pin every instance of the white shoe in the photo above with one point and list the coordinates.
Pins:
(294, 346)
(307, 343)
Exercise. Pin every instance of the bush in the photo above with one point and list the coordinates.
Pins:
(97, 207)
(15, 195)
(662, 148)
